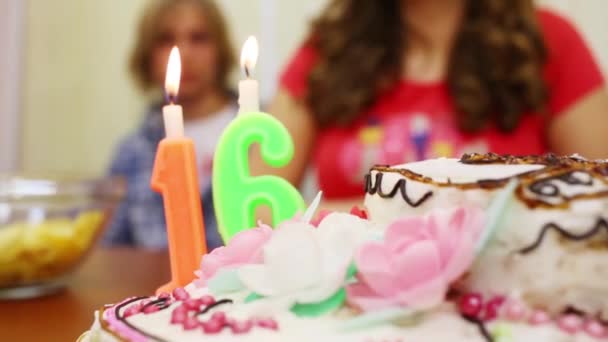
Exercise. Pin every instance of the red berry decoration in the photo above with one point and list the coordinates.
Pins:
(470, 305)
(267, 323)
(492, 308)
(150, 309)
(192, 304)
(212, 327)
(191, 323)
(207, 300)
(241, 327)
(595, 329)
(178, 316)
(570, 323)
(356, 211)
(181, 308)
(132, 310)
(180, 294)
(219, 316)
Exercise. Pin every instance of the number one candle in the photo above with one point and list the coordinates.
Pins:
(236, 194)
(175, 177)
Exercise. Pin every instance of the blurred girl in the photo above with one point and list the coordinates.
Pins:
(393, 81)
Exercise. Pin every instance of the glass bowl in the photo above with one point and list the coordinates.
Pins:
(47, 228)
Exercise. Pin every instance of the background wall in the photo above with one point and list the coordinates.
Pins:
(11, 12)
(77, 99)
(591, 19)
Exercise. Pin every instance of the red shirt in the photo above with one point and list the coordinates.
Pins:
(415, 120)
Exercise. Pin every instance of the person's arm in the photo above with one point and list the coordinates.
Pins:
(578, 101)
(582, 128)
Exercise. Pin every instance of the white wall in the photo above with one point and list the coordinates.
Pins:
(591, 19)
(10, 79)
(279, 26)
(77, 98)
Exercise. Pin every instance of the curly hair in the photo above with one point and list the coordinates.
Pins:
(494, 70)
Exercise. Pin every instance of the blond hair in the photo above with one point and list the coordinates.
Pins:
(149, 30)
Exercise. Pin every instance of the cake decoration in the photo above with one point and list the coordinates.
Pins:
(495, 215)
(237, 193)
(502, 333)
(543, 187)
(244, 248)
(175, 178)
(122, 327)
(417, 261)
(589, 234)
(400, 187)
(474, 261)
(481, 248)
(307, 265)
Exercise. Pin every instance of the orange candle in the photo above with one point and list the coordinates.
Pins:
(175, 177)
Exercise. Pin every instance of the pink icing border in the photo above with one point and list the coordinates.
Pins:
(119, 327)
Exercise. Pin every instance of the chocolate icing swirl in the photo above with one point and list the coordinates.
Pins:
(544, 187)
(596, 229)
(162, 302)
(536, 182)
(123, 319)
(214, 305)
(483, 330)
(400, 187)
(548, 159)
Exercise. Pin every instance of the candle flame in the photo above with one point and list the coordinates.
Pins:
(249, 55)
(174, 70)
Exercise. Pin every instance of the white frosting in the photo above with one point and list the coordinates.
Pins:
(444, 324)
(444, 169)
(385, 210)
(557, 274)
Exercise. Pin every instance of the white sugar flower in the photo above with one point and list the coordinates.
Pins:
(303, 264)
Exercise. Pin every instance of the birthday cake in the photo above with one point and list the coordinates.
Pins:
(482, 248)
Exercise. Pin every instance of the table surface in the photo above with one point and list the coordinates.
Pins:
(107, 276)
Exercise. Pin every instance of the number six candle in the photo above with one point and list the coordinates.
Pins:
(175, 177)
(236, 194)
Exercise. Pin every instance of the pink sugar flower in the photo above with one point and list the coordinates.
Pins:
(417, 261)
(244, 248)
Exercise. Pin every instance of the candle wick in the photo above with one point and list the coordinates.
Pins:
(170, 98)
(247, 72)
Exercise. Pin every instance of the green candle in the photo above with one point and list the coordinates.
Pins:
(236, 194)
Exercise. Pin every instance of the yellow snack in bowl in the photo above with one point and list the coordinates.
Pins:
(44, 241)
(35, 252)
(10, 243)
(86, 228)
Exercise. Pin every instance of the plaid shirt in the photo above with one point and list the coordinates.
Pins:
(140, 218)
